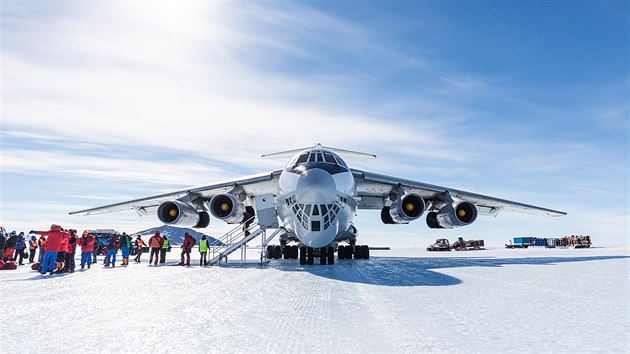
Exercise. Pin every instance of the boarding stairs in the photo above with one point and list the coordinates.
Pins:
(236, 239)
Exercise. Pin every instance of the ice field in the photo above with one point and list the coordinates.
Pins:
(406, 300)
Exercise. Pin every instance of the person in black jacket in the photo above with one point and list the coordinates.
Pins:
(69, 262)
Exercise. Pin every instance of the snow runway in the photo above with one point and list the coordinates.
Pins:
(555, 300)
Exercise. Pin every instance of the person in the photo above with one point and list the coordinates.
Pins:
(86, 241)
(32, 248)
(189, 242)
(71, 252)
(61, 255)
(20, 248)
(155, 242)
(98, 248)
(53, 244)
(125, 245)
(139, 245)
(112, 248)
(9, 246)
(203, 251)
(41, 242)
(3, 241)
(165, 246)
(246, 222)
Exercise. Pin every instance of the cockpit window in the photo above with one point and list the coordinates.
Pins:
(302, 158)
(319, 158)
(312, 157)
(329, 158)
(341, 162)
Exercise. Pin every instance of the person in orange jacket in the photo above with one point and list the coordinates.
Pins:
(155, 242)
(139, 245)
(32, 248)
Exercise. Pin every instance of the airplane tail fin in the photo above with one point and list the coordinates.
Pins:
(341, 152)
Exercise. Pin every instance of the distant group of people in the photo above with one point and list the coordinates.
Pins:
(575, 240)
(58, 248)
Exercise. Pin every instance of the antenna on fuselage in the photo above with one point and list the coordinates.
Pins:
(341, 152)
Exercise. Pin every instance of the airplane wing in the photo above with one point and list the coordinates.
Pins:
(374, 189)
(252, 185)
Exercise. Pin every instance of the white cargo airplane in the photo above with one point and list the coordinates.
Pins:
(317, 197)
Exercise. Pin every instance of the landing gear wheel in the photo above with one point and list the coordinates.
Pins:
(358, 252)
(270, 252)
(341, 252)
(293, 252)
(302, 255)
(309, 258)
(330, 253)
(287, 252)
(322, 256)
(347, 254)
(367, 252)
(277, 252)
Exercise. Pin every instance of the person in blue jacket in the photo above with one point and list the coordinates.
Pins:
(20, 246)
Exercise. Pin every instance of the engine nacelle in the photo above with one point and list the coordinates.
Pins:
(453, 216)
(403, 210)
(181, 214)
(227, 208)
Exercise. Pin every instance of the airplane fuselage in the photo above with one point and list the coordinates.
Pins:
(316, 198)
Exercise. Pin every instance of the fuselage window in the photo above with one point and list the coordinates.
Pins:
(315, 225)
(307, 209)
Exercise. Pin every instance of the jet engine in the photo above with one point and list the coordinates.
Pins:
(227, 208)
(181, 214)
(403, 210)
(453, 216)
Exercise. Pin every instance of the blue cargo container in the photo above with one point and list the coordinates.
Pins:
(524, 241)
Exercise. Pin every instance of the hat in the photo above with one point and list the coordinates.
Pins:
(13, 233)
(85, 232)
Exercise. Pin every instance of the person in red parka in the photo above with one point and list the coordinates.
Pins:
(189, 242)
(54, 241)
(86, 241)
(63, 249)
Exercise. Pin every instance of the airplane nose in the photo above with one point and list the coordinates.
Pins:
(316, 185)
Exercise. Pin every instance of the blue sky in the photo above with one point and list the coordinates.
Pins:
(527, 100)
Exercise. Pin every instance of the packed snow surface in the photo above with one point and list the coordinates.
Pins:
(407, 300)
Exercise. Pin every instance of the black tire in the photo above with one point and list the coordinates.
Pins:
(322, 256)
(348, 252)
(367, 252)
(277, 252)
(331, 255)
(302, 255)
(286, 252)
(358, 252)
(309, 257)
(270, 252)
(341, 252)
(295, 252)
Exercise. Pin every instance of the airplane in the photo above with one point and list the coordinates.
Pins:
(316, 198)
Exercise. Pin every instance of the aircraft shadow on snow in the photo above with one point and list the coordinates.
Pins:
(416, 271)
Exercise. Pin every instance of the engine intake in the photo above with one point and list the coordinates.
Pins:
(453, 216)
(177, 213)
(227, 208)
(403, 210)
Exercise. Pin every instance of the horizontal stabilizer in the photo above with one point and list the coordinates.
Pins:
(341, 152)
